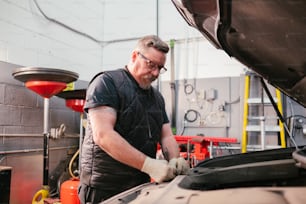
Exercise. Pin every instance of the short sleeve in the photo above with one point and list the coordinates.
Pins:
(165, 117)
(101, 92)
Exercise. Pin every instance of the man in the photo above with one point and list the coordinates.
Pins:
(126, 120)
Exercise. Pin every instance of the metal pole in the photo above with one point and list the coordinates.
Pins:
(46, 142)
(173, 89)
(80, 141)
(211, 149)
(263, 133)
(157, 33)
(157, 17)
(22, 151)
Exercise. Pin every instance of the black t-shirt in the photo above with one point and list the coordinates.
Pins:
(140, 116)
(102, 92)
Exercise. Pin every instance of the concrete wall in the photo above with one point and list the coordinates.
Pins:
(21, 134)
(216, 104)
(214, 107)
(100, 34)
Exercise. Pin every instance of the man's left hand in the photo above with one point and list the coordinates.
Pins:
(180, 164)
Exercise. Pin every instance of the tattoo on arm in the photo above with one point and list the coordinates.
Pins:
(166, 153)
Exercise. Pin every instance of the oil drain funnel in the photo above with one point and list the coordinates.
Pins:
(46, 82)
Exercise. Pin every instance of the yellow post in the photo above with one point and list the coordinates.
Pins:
(244, 140)
(281, 125)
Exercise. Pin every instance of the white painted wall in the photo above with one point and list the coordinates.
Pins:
(27, 38)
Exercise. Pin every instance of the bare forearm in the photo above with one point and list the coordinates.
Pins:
(168, 143)
(121, 150)
(103, 121)
(170, 148)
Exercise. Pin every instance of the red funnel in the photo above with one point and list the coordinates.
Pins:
(46, 89)
(75, 104)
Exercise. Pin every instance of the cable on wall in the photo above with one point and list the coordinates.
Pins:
(191, 115)
(102, 43)
(188, 88)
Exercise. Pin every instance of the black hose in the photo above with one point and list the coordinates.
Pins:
(191, 120)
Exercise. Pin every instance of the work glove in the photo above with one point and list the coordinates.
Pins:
(180, 164)
(158, 170)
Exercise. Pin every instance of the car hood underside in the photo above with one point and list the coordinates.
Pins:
(267, 36)
(269, 176)
(172, 193)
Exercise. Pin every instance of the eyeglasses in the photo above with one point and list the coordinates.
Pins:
(153, 66)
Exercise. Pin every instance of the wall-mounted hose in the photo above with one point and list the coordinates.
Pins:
(71, 162)
(191, 115)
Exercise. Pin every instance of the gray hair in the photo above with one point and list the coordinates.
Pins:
(153, 41)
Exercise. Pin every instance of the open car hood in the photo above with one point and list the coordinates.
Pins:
(269, 176)
(266, 36)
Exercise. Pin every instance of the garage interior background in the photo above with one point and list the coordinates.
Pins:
(91, 36)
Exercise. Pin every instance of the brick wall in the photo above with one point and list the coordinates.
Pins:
(21, 133)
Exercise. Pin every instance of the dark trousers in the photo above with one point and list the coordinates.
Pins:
(93, 195)
(90, 195)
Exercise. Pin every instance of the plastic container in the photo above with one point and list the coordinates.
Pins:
(69, 192)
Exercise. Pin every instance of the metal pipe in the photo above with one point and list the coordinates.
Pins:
(263, 132)
(80, 140)
(46, 142)
(198, 126)
(227, 147)
(35, 135)
(20, 135)
(191, 39)
(34, 150)
(211, 149)
(188, 150)
(157, 33)
(157, 17)
(46, 115)
(173, 89)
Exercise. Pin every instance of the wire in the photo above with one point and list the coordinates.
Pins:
(71, 162)
(183, 130)
(2, 158)
(102, 43)
(64, 25)
(295, 116)
(188, 89)
(196, 114)
(233, 102)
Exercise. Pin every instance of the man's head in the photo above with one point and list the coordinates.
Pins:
(148, 60)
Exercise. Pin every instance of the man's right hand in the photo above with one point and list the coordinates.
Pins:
(159, 170)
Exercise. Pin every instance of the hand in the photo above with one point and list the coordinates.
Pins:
(180, 164)
(159, 170)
